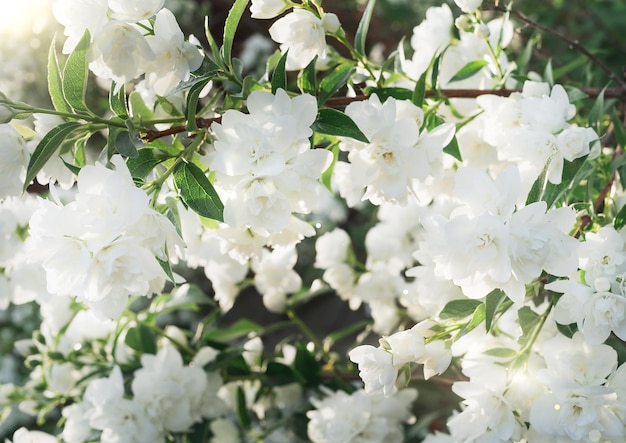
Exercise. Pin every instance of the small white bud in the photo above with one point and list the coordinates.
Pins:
(330, 22)
(482, 31)
(463, 23)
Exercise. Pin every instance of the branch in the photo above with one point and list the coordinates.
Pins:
(572, 43)
(340, 102)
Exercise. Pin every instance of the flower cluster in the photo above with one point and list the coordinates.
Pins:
(215, 248)
(101, 248)
(121, 50)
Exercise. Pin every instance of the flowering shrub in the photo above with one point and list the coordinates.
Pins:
(460, 203)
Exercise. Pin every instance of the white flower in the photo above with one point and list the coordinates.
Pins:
(376, 368)
(268, 8)
(331, 248)
(76, 428)
(119, 419)
(275, 278)
(174, 57)
(468, 5)
(397, 155)
(405, 346)
(359, 417)
(170, 392)
(134, 10)
(302, 34)
(119, 52)
(78, 16)
(224, 431)
(23, 435)
(13, 161)
(103, 246)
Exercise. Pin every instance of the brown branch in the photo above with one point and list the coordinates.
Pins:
(340, 102)
(572, 43)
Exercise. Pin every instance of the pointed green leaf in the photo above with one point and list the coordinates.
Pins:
(477, 318)
(307, 80)
(232, 22)
(334, 122)
(492, 303)
(279, 77)
(55, 82)
(364, 24)
(117, 101)
(306, 364)
(215, 50)
(458, 309)
(138, 107)
(75, 75)
(453, 149)
(334, 81)
(419, 92)
(469, 70)
(548, 76)
(142, 339)
(192, 104)
(528, 319)
(242, 409)
(501, 352)
(327, 175)
(124, 145)
(143, 164)
(197, 192)
(46, 148)
(239, 329)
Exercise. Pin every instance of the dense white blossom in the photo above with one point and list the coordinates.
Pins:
(398, 155)
(303, 34)
(358, 417)
(264, 164)
(134, 10)
(103, 246)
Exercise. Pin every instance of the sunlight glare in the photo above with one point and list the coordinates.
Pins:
(18, 17)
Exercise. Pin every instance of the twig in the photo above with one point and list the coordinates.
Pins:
(572, 43)
(340, 102)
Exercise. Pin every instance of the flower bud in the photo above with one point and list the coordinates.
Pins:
(482, 31)
(6, 114)
(330, 22)
(463, 23)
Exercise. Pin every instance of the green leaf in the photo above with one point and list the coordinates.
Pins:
(143, 164)
(239, 329)
(75, 75)
(364, 24)
(55, 81)
(576, 63)
(492, 303)
(117, 102)
(477, 318)
(46, 148)
(419, 92)
(141, 338)
(242, 409)
(469, 70)
(197, 192)
(548, 76)
(279, 374)
(434, 74)
(597, 112)
(167, 268)
(192, 103)
(307, 80)
(501, 352)
(334, 81)
(279, 76)
(620, 219)
(327, 175)
(124, 145)
(459, 309)
(306, 364)
(169, 107)
(573, 173)
(528, 319)
(334, 122)
(138, 107)
(453, 149)
(215, 50)
(384, 93)
(567, 330)
(230, 27)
